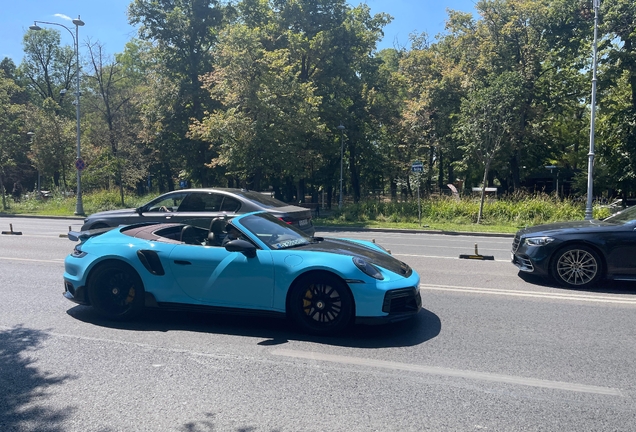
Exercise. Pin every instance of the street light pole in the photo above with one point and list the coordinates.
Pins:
(590, 163)
(341, 128)
(79, 207)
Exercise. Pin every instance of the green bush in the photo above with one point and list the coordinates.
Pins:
(514, 210)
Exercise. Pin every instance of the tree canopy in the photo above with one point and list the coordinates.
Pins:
(251, 93)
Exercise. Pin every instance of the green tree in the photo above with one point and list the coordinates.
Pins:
(53, 145)
(268, 116)
(47, 67)
(113, 119)
(183, 33)
(488, 119)
(616, 126)
(12, 133)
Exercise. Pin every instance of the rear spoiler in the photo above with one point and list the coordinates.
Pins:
(85, 235)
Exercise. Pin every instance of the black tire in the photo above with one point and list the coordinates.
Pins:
(321, 304)
(116, 291)
(577, 266)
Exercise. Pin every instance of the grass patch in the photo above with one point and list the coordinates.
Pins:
(64, 205)
(503, 215)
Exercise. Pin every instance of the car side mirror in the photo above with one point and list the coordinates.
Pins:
(245, 247)
(139, 210)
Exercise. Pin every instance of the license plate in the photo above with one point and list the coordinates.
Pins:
(303, 222)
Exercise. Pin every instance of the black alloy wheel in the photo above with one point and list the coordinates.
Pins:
(321, 305)
(116, 292)
(577, 266)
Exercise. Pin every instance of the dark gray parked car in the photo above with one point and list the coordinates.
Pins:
(188, 204)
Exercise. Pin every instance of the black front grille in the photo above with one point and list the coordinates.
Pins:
(402, 300)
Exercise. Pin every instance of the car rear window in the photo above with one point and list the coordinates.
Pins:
(230, 205)
(264, 200)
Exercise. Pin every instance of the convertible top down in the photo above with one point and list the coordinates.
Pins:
(254, 264)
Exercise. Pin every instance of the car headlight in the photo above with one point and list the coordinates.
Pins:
(77, 252)
(539, 241)
(367, 269)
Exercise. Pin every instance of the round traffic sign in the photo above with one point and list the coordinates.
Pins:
(80, 164)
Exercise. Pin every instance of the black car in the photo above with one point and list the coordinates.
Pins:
(188, 204)
(580, 253)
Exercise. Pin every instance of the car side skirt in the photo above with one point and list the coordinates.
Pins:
(218, 309)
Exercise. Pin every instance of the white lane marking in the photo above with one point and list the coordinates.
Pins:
(466, 248)
(446, 257)
(31, 260)
(60, 235)
(556, 296)
(455, 373)
(399, 235)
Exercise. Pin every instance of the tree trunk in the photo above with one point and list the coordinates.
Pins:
(483, 191)
(355, 177)
(440, 178)
(4, 199)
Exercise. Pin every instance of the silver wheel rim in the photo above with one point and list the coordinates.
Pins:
(577, 267)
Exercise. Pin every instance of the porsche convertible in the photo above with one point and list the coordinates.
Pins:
(252, 264)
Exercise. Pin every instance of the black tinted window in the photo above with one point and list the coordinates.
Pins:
(192, 203)
(262, 199)
(202, 202)
(230, 205)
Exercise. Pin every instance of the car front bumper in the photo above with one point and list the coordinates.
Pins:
(75, 294)
(532, 259)
(399, 305)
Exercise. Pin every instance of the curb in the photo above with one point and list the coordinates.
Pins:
(413, 231)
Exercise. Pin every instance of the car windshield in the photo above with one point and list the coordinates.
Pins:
(264, 200)
(275, 233)
(625, 216)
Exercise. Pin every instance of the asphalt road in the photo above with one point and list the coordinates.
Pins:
(490, 351)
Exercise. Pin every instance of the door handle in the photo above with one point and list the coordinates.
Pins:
(179, 262)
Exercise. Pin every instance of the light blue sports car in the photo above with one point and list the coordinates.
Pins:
(254, 264)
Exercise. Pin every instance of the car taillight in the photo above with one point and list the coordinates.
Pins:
(287, 220)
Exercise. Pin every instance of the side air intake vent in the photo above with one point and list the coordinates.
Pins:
(151, 261)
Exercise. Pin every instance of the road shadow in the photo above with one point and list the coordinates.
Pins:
(602, 287)
(425, 326)
(23, 387)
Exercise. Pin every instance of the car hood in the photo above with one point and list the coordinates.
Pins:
(571, 226)
(111, 213)
(346, 247)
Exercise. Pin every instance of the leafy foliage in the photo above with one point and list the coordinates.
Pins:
(251, 92)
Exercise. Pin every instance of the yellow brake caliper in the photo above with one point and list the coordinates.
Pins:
(131, 295)
(306, 302)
